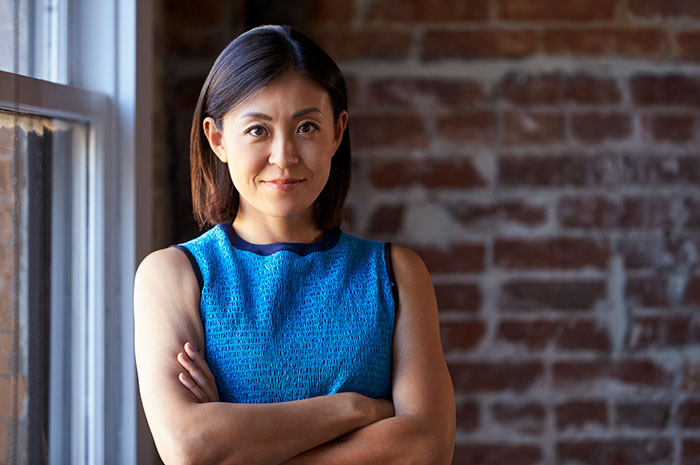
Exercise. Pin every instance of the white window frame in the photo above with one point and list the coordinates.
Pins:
(110, 73)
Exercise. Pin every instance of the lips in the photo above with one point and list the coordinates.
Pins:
(284, 184)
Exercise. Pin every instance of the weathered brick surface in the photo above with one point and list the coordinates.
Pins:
(558, 144)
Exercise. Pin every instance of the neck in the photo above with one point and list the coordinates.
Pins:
(256, 230)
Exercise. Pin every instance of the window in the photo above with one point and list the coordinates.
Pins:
(70, 197)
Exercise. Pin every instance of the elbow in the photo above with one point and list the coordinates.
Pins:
(431, 446)
(196, 447)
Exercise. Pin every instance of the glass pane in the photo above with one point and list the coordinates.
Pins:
(37, 204)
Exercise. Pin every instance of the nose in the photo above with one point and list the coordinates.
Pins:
(283, 152)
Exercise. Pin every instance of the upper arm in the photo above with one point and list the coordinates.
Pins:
(166, 315)
(421, 382)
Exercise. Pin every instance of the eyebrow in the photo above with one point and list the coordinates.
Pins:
(299, 113)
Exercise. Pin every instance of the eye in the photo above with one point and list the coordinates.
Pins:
(307, 128)
(257, 131)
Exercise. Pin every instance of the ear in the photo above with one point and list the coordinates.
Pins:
(215, 136)
(340, 125)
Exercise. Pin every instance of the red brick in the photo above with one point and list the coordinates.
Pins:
(663, 332)
(489, 43)
(691, 377)
(374, 44)
(689, 46)
(691, 452)
(185, 94)
(428, 11)
(478, 127)
(183, 43)
(551, 295)
(498, 214)
(555, 87)
(596, 128)
(424, 92)
(616, 451)
(643, 415)
(692, 292)
(560, 253)
(337, 12)
(467, 415)
(647, 292)
(495, 376)
(533, 128)
(557, 170)
(180, 14)
(663, 169)
(460, 297)
(664, 8)
(581, 414)
(461, 335)
(637, 43)
(634, 373)
(496, 453)
(668, 89)
(452, 173)
(692, 209)
(554, 10)
(521, 417)
(388, 130)
(605, 213)
(566, 335)
(673, 128)
(386, 219)
(688, 414)
(460, 257)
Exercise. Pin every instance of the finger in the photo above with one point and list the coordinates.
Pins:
(192, 369)
(198, 358)
(193, 388)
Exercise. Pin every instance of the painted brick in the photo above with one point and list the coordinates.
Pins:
(452, 173)
(366, 44)
(467, 45)
(533, 128)
(668, 89)
(474, 127)
(565, 335)
(644, 251)
(688, 414)
(469, 377)
(6, 224)
(641, 43)
(692, 293)
(557, 170)
(660, 170)
(633, 373)
(663, 332)
(596, 128)
(647, 292)
(664, 8)
(461, 335)
(554, 10)
(555, 88)
(689, 46)
(460, 257)
(460, 297)
(673, 128)
(618, 451)
(467, 415)
(691, 377)
(643, 415)
(386, 219)
(497, 453)
(425, 93)
(497, 214)
(593, 212)
(521, 417)
(691, 452)
(337, 12)
(428, 11)
(580, 414)
(560, 253)
(394, 130)
(550, 295)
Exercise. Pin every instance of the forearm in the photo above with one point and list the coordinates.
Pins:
(396, 440)
(226, 433)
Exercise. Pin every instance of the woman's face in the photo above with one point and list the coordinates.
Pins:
(278, 145)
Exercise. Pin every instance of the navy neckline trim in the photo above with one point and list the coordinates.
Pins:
(329, 240)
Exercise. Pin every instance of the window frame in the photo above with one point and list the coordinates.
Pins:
(110, 72)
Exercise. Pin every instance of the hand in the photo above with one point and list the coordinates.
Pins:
(197, 376)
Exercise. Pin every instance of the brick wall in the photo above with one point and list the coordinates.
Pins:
(542, 157)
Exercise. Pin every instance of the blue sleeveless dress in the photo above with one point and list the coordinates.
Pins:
(290, 321)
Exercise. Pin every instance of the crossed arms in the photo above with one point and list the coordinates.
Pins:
(341, 428)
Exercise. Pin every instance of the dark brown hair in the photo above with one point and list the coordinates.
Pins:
(252, 61)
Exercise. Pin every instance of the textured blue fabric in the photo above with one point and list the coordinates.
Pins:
(293, 321)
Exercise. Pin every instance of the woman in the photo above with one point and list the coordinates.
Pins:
(274, 337)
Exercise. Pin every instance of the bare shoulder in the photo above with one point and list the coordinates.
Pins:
(409, 268)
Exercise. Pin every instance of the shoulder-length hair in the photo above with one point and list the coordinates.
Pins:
(252, 61)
